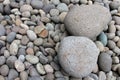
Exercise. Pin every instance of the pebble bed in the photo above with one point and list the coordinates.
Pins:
(31, 32)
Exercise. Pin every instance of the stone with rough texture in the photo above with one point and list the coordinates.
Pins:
(87, 20)
(19, 66)
(78, 56)
(25, 7)
(105, 62)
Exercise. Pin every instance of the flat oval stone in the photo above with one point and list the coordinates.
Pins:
(78, 56)
(87, 20)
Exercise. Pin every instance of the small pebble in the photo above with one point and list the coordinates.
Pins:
(13, 74)
(32, 36)
(48, 68)
(23, 75)
(62, 7)
(11, 36)
(36, 4)
(10, 61)
(2, 60)
(25, 7)
(40, 68)
(19, 66)
(2, 30)
(32, 59)
(4, 70)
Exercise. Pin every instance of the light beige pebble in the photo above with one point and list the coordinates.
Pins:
(116, 38)
(48, 68)
(13, 48)
(102, 75)
(3, 38)
(115, 59)
(118, 70)
(100, 45)
(90, 2)
(118, 27)
(117, 50)
(6, 2)
(106, 49)
(6, 53)
(112, 28)
(42, 13)
(2, 77)
(115, 67)
(24, 26)
(18, 36)
(118, 43)
(62, 16)
(110, 35)
(19, 66)
(95, 70)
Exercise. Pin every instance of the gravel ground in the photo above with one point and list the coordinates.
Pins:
(34, 42)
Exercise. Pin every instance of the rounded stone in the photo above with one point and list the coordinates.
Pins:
(2, 78)
(40, 68)
(32, 59)
(38, 41)
(10, 61)
(25, 7)
(105, 62)
(78, 56)
(32, 36)
(19, 66)
(11, 37)
(2, 30)
(62, 7)
(87, 20)
(24, 75)
(37, 4)
(2, 60)
(4, 69)
(13, 74)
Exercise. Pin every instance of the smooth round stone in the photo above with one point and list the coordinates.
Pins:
(2, 60)
(49, 76)
(48, 7)
(103, 38)
(19, 66)
(37, 4)
(21, 58)
(32, 36)
(4, 69)
(40, 68)
(24, 40)
(10, 61)
(38, 41)
(33, 71)
(111, 44)
(24, 75)
(114, 4)
(30, 51)
(54, 12)
(116, 19)
(105, 62)
(48, 68)
(115, 60)
(80, 24)
(62, 7)
(2, 30)
(25, 7)
(72, 59)
(13, 74)
(32, 59)
(102, 75)
(11, 36)
(74, 1)
(13, 48)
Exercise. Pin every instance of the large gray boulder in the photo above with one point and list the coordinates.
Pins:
(87, 20)
(78, 56)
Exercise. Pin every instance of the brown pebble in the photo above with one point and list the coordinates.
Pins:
(38, 29)
(30, 51)
(18, 22)
(22, 31)
(43, 33)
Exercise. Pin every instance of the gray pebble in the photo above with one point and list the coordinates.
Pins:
(19, 66)
(1, 8)
(62, 7)
(105, 62)
(117, 19)
(43, 59)
(26, 14)
(37, 4)
(117, 50)
(7, 9)
(48, 7)
(2, 60)
(35, 78)
(74, 1)
(40, 68)
(24, 75)
(111, 44)
(10, 61)
(2, 30)
(33, 71)
(49, 76)
(11, 36)
(25, 7)
(66, 1)
(12, 74)
(32, 36)
(58, 74)
(114, 4)
(4, 70)
(21, 58)
(55, 2)
(21, 51)
(54, 12)
(49, 26)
